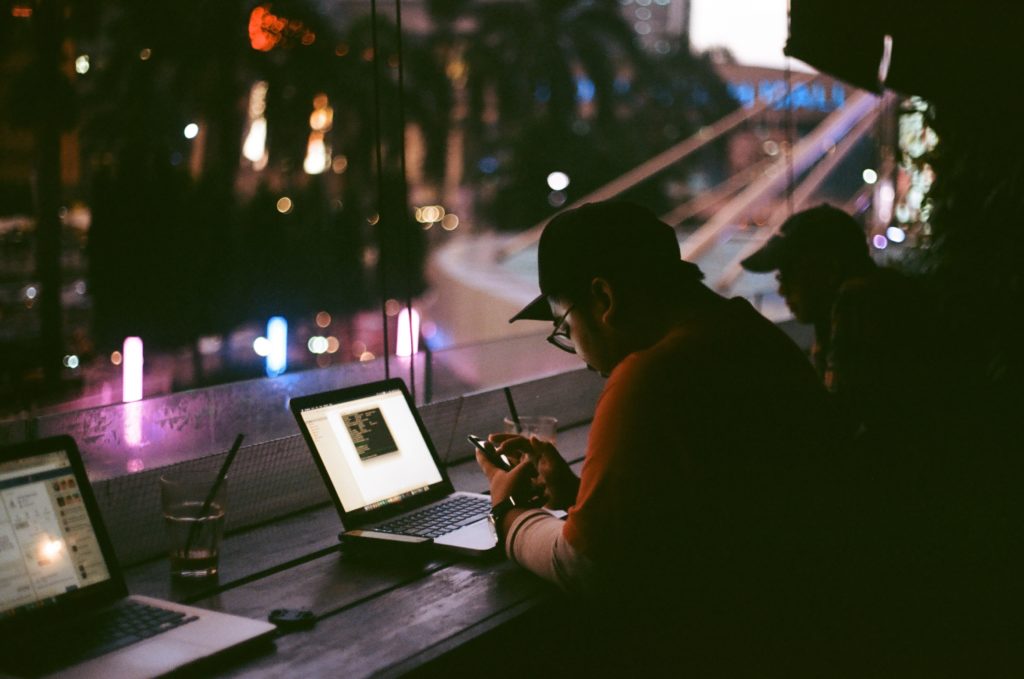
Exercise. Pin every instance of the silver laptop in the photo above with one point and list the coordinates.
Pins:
(383, 473)
(64, 605)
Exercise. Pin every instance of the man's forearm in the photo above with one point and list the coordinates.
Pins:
(506, 522)
(533, 539)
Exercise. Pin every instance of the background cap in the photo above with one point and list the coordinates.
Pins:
(608, 239)
(822, 231)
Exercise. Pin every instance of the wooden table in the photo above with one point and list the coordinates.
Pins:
(375, 615)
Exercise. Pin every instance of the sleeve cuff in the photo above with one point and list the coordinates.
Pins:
(528, 517)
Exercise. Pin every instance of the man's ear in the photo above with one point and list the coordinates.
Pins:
(604, 300)
(832, 272)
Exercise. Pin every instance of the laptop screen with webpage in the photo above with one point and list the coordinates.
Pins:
(48, 544)
(372, 450)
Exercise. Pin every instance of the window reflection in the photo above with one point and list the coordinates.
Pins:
(260, 190)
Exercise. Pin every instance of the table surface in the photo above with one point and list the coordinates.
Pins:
(375, 615)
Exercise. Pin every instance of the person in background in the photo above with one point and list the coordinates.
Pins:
(910, 481)
(875, 330)
(693, 521)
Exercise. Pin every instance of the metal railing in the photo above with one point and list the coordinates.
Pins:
(652, 166)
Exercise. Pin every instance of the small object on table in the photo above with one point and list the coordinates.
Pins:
(289, 619)
(361, 542)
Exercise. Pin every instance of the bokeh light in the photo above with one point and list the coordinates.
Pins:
(558, 181)
(556, 198)
(277, 336)
(131, 372)
(429, 214)
(261, 345)
(895, 234)
(407, 341)
(317, 344)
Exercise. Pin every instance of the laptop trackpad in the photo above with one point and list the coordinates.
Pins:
(477, 537)
(150, 658)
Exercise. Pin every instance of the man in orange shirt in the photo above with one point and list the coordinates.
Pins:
(693, 507)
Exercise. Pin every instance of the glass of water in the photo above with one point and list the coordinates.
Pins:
(194, 521)
(543, 427)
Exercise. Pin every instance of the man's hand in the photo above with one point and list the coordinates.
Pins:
(554, 480)
(516, 481)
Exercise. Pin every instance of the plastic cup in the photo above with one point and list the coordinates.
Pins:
(543, 427)
(194, 536)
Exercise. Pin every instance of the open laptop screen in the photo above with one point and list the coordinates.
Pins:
(48, 545)
(372, 449)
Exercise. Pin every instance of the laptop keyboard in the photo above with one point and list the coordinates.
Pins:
(122, 625)
(439, 519)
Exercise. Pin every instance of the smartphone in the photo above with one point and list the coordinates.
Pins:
(491, 453)
(359, 535)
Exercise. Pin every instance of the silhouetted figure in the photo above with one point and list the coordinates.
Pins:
(916, 524)
(876, 335)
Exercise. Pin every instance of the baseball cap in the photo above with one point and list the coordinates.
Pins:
(822, 230)
(610, 239)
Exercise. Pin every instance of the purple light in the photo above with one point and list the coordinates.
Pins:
(133, 424)
(880, 242)
(408, 340)
(131, 376)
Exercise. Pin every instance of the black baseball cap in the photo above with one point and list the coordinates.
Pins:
(820, 231)
(611, 239)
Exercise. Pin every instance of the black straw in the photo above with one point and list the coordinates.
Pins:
(221, 475)
(512, 410)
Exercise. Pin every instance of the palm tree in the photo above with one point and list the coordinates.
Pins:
(344, 68)
(158, 68)
(564, 86)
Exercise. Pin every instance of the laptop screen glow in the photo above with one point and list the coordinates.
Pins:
(372, 449)
(48, 546)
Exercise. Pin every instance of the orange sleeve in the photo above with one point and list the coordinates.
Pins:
(622, 452)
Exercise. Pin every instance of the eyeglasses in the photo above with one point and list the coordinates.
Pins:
(560, 335)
